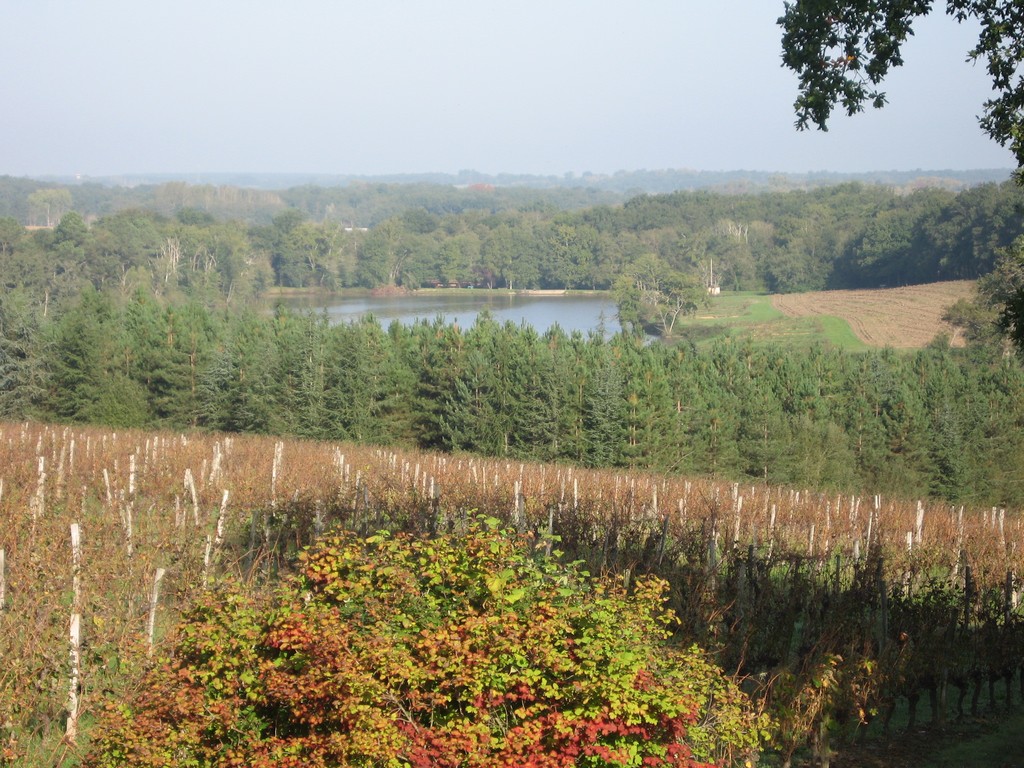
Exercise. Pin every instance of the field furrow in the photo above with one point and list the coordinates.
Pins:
(905, 318)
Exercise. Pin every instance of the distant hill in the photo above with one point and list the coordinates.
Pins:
(626, 183)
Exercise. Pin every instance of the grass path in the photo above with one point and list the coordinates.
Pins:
(753, 316)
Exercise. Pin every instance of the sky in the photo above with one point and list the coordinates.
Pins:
(366, 87)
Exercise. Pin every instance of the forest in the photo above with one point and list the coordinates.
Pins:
(933, 423)
(143, 319)
(223, 244)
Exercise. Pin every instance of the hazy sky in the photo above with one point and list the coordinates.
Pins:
(388, 86)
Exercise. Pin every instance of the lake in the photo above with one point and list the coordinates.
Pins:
(573, 312)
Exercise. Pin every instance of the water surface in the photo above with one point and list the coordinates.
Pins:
(572, 312)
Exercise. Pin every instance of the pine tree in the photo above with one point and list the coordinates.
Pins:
(604, 411)
(22, 372)
(90, 367)
(653, 437)
(438, 352)
(238, 391)
(370, 384)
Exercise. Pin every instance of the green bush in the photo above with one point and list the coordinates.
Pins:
(470, 649)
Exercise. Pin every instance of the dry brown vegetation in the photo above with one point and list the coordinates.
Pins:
(196, 506)
(904, 318)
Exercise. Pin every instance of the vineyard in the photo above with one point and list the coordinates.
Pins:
(829, 609)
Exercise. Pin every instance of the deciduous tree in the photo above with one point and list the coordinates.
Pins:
(842, 50)
(652, 296)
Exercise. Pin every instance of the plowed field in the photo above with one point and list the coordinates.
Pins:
(897, 317)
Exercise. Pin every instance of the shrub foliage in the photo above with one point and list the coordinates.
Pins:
(468, 649)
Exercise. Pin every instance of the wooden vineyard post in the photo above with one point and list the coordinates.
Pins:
(221, 517)
(126, 523)
(355, 496)
(1008, 600)
(74, 635)
(518, 507)
(876, 510)
(60, 466)
(38, 502)
(275, 470)
(435, 508)
(213, 544)
(318, 519)
(190, 485)
(959, 548)
(106, 483)
(154, 599)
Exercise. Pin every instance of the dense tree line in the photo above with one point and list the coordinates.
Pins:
(840, 237)
(929, 423)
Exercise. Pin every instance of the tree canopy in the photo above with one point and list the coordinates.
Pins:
(844, 236)
(842, 50)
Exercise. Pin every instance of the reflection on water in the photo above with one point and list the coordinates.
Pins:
(584, 313)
